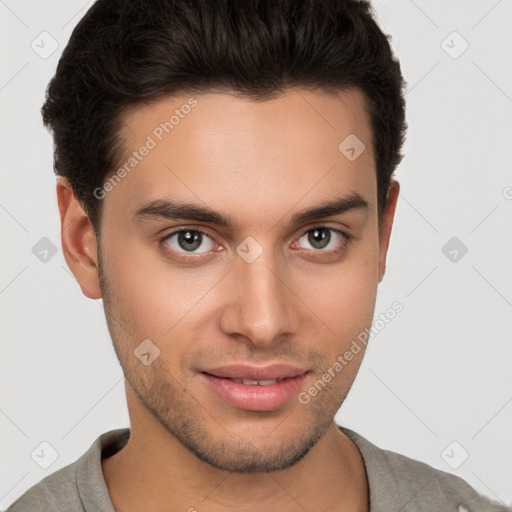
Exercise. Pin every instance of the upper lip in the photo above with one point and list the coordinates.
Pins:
(242, 371)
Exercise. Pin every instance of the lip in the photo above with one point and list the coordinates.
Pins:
(255, 397)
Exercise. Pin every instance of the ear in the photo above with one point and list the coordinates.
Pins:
(78, 240)
(387, 223)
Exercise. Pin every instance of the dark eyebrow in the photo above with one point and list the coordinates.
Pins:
(175, 210)
(344, 204)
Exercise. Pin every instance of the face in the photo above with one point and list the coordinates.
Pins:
(255, 286)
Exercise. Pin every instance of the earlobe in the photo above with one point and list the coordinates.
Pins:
(387, 224)
(78, 240)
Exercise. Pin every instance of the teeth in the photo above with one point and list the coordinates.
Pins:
(251, 382)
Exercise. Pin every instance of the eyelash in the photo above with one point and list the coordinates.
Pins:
(340, 248)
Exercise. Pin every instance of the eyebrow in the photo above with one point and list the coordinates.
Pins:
(175, 210)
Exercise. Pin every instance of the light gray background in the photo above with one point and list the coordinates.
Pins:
(438, 373)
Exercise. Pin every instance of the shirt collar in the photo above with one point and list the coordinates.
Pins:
(383, 487)
(92, 487)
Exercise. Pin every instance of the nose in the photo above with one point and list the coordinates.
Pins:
(261, 305)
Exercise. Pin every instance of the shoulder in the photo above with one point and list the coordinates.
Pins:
(399, 481)
(78, 486)
(424, 483)
(56, 492)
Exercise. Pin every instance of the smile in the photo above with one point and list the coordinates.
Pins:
(254, 394)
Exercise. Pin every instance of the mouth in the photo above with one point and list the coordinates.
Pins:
(250, 382)
(253, 388)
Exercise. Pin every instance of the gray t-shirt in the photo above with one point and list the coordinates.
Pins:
(397, 483)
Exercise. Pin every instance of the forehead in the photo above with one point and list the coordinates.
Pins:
(231, 152)
(302, 113)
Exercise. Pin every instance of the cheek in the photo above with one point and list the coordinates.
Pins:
(343, 295)
(151, 293)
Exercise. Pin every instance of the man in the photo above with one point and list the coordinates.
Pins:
(225, 186)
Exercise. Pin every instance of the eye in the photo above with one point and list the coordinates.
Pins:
(325, 239)
(186, 240)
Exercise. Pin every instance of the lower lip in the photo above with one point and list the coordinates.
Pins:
(255, 398)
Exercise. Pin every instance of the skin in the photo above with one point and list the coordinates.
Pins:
(259, 162)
